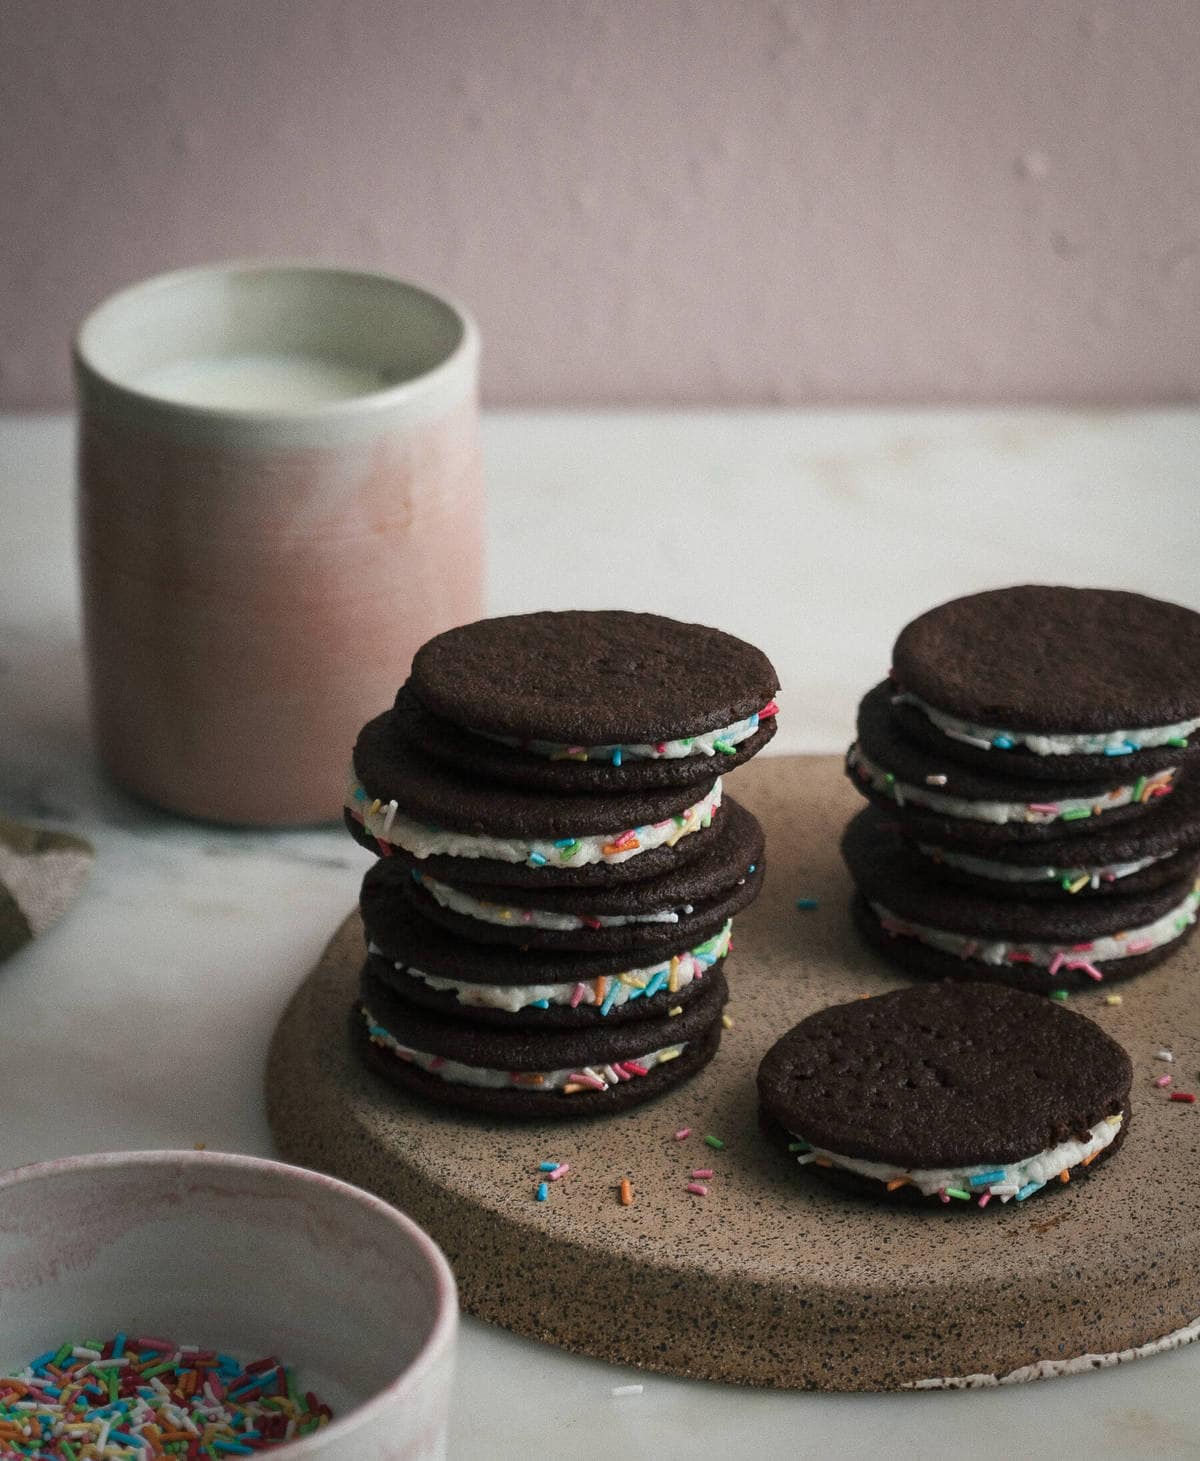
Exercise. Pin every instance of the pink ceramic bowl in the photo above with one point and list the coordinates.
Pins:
(246, 1256)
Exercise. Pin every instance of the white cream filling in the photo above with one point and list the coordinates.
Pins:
(1012, 1179)
(599, 1077)
(1123, 945)
(1007, 872)
(459, 902)
(1064, 809)
(705, 743)
(1051, 743)
(606, 991)
(388, 824)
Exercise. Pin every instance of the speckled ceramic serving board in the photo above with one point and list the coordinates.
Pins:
(770, 1279)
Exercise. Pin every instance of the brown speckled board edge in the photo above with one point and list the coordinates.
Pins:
(771, 1280)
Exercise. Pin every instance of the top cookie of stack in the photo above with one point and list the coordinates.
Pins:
(1033, 750)
(561, 857)
(589, 700)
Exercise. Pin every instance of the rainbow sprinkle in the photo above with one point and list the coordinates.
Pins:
(147, 1397)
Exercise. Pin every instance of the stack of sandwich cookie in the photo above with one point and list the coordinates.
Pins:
(552, 945)
(947, 1092)
(1032, 747)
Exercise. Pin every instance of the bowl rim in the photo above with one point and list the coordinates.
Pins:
(440, 1338)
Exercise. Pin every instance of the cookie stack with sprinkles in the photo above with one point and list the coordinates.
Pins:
(1035, 813)
(559, 863)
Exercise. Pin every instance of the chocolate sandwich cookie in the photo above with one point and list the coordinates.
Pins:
(1047, 683)
(543, 1074)
(596, 700)
(683, 905)
(943, 801)
(399, 802)
(934, 928)
(506, 984)
(575, 768)
(1120, 858)
(947, 1092)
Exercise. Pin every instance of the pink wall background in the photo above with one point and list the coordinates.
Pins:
(643, 201)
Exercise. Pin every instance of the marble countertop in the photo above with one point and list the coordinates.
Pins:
(142, 1019)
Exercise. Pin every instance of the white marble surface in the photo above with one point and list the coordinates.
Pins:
(142, 1019)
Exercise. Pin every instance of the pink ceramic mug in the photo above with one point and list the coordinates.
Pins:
(280, 499)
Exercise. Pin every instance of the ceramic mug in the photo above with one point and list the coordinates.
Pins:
(280, 499)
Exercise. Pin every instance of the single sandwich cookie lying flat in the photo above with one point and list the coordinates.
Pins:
(426, 964)
(558, 1074)
(684, 904)
(974, 1094)
(399, 802)
(592, 699)
(1052, 681)
(942, 800)
(932, 927)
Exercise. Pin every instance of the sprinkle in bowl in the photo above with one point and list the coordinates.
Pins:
(243, 1258)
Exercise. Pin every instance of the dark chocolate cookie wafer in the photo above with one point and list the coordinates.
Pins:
(679, 907)
(592, 678)
(968, 1093)
(944, 801)
(542, 986)
(475, 831)
(547, 1075)
(1122, 858)
(1047, 682)
(574, 769)
(935, 928)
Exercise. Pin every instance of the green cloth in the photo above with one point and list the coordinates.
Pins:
(41, 874)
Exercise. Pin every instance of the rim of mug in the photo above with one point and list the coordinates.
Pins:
(407, 392)
(443, 1329)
